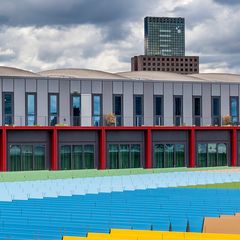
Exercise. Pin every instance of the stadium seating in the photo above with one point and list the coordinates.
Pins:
(176, 209)
(81, 186)
(121, 234)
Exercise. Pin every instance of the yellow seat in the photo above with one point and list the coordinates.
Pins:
(98, 236)
(73, 238)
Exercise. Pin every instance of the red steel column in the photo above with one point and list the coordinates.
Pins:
(54, 150)
(3, 160)
(234, 147)
(192, 148)
(148, 148)
(102, 149)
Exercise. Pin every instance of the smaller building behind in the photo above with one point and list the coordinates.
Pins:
(175, 64)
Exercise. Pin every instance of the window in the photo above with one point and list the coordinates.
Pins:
(31, 113)
(76, 110)
(77, 157)
(216, 115)
(169, 155)
(138, 110)
(8, 108)
(234, 109)
(53, 109)
(158, 110)
(124, 156)
(177, 110)
(97, 110)
(117, 109)
(27, 157)
(212, 154)
(197, 111)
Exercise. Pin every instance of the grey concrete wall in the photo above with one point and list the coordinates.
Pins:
(168, 104)
(86, 87)
(225, 100)
(158, 88)
(19, 102)
(117, 87)
(107, 97)
(206, 101)
(197, 89)
(53, 86)
(97, 87)
(128, 103)
(7, 85)
(187, 103)
(216, 91)
(42, 102)
(75, 86)
(64, 102)
(31, 85)
(148, 104)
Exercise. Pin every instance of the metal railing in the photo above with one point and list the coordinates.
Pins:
(138, 120)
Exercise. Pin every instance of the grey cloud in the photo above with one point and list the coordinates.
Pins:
(228, 2)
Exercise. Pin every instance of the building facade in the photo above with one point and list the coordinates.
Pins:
(164, 36)
(82, 119)
(182, 65)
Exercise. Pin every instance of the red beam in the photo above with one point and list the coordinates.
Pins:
(192, 148)
(54, 150)
(148, 148)
(234, 147)
(3, 160)
(102, 149)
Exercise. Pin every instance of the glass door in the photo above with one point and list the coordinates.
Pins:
(222, 154)
(212, 154)
(159, 155)
(135, 156)
(15, 158)
(77, 155)
(27, 157)
(124, 156)
(89, 156)
(65, 155)
(169, 156)
(113, 156)
(39, 157)
(202, 155)
(180, 155)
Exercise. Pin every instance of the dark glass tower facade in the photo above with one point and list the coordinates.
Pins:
(164, 36)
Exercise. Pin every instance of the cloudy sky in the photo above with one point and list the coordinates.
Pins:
(104, 34)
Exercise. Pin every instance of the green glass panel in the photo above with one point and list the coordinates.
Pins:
(180, 155)
(39, 157)
(124, 156)
(159, 155)
(113, 156)
(212, 154)
(27, 157)
(89, 156)
(222, 154)
(15, 158)
(169, 156)
(65, 155)
(202, 155)
(135, 156)
(77, 155)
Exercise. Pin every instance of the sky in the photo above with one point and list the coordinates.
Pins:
(37, 35)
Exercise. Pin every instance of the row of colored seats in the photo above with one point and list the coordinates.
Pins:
(82, 186)
(122, 234)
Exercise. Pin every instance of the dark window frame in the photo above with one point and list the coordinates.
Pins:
(26, 108)
(216, 118)
(49, 108)
(119, 118)
(101, 110)
(237, 117)
(157, 117)
(3, 108)
(135, 116)
(196, 119)
(176, 117)
(71, 109)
